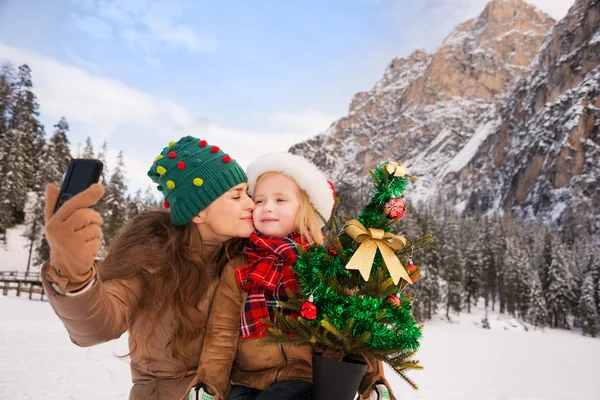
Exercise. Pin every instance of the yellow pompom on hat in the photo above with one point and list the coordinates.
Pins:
(191, 174)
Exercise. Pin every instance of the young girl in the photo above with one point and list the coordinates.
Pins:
(293, 198)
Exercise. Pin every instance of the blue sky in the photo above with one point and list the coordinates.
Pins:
(250, 76)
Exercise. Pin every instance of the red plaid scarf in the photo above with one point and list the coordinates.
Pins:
(266, 279)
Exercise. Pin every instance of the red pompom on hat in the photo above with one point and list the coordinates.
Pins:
(332, 189)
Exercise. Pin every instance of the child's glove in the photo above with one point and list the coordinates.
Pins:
(380, 392)
(198, 392)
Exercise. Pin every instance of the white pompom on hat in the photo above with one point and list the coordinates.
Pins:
(307, 175)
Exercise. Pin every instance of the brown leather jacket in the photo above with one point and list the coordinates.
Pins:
(227, 358)
(104, 313)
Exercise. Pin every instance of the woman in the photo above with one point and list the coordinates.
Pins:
(160, 272)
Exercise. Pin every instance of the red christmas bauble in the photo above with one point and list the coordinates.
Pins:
(411, 268)
(308, 310)
(395, 300)
(395, 209)
(415, 277)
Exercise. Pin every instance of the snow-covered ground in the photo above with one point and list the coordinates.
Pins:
(461, 360)
(13, 255)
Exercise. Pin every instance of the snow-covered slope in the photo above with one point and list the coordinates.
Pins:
(462, 361)
(14, 255)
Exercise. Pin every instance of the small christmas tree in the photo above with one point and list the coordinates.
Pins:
(354, 299)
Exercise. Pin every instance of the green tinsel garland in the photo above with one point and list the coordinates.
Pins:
(316, 268)
(386, 188)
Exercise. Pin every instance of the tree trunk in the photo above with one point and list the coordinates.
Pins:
(33, 235)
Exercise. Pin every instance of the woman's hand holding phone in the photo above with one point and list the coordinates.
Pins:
(73, 234)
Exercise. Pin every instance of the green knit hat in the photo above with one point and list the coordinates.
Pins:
(191, 174)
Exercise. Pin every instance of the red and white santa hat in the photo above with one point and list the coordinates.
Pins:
(307, 175)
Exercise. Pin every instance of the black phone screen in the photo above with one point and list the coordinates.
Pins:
(81, 175)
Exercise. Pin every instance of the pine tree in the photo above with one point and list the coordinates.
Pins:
(588, 309)
(426, 293)
(538, 312)
(24, 137)
(150, 202)
(102, 158)
(88, 150)
(545, 259)
(135, 205)
(6, 99)
(575, 221)
(576, 283)
(6, 102)
(433, 257)
(101, 205)
(596, 267)
(24, 119)
(409, 225)
(58, 156)
(115, 214)
(558, 295)
(516, 276)
(453, 267)
(14, 193)
(489, 268)
(61, 152)
(473, 262)
(47, 173)
(498, 248)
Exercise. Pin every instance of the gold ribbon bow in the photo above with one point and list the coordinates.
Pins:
(397, 169)
(370, 240)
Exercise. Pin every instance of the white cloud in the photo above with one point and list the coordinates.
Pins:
(557, 9)
(428, 28)
(245, 145)
(150, 26)
(85, 64)
(308, 122)
(466, 9)
(112, 12)
(93, 26)
(155, 62)
(82, 97)
(102, 107)
(182, 36)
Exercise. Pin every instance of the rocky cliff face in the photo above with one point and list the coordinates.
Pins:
(503, 115)
(543, 158)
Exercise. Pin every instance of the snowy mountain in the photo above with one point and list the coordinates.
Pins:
(542, 159)
(504, 114)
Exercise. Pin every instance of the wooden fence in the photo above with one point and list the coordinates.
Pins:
(22, 282)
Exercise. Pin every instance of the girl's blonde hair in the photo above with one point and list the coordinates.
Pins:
(307, 219)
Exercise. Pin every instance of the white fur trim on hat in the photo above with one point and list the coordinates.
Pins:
(306, 174)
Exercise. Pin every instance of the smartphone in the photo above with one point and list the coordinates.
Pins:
(81, 174)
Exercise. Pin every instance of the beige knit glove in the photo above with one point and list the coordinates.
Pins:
(73, 234)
